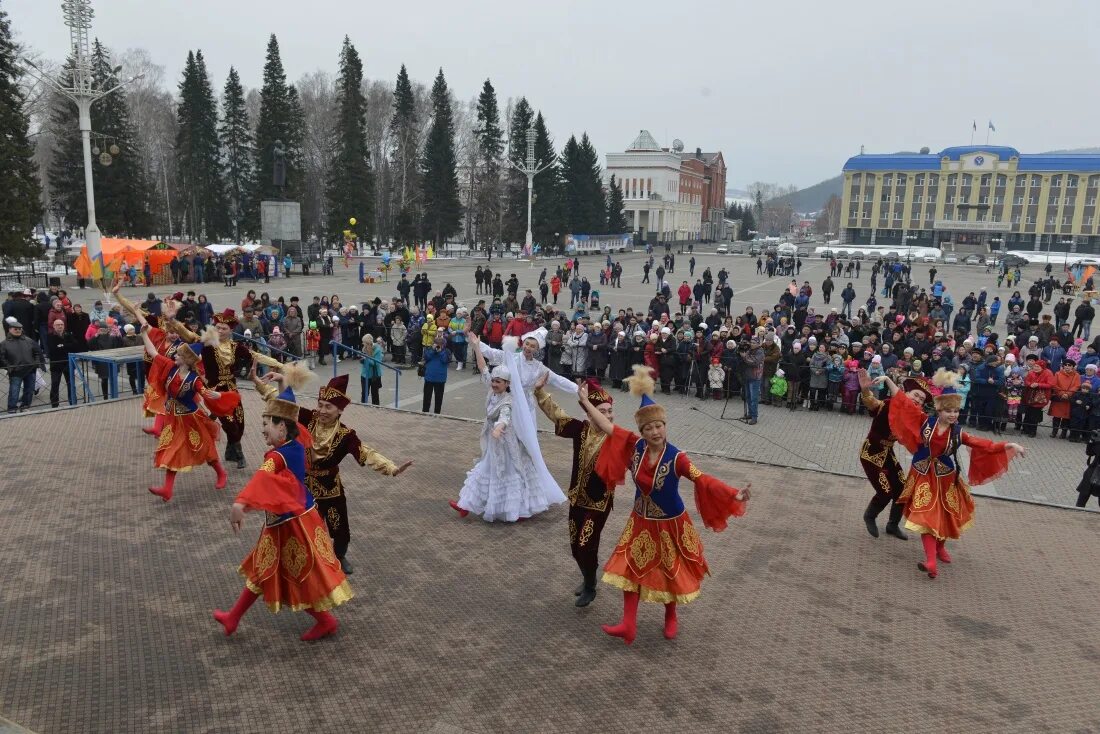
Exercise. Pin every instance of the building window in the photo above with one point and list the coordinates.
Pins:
(1094, 181)
(983, 200)
(1069, 201)
(1030, 219)
(985, 179)
(951, 199)
(966, 179)
(1088, 220)
(897, 215)
(1054, 201)
(998, 199)
(887, 180)
(1015, 218)
(1071, 182)
(1019, 200)
(1036, 180)
(919, 181)
(1033, 200)
(933, 180)
(866, 197)
(1067, 220)
(1002, 181)
(1056, 181)
(1090, 201)
(918, 199)
(952, 179)
(885, 197)
(1050, 221)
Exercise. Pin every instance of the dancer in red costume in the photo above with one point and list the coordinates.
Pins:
(293, 564)
(166, 343)
(189, 437)
(937, 500)
(659, 556)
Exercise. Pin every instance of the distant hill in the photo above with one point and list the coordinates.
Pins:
(813, 198)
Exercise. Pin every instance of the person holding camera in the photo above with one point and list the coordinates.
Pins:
(752, 365)
(1090, 480)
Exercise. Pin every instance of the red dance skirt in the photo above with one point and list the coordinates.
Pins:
(662, 560)
(187, 441)
(293, 566)
(153, 400)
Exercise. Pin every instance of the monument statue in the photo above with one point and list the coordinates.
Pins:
(278, 167)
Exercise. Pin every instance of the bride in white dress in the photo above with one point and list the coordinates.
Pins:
(507, 483)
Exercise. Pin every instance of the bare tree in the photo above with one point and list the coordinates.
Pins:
(153, 113)
(317, 91)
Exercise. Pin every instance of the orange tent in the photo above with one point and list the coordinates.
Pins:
(118, 252)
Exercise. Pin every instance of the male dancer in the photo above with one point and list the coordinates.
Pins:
(589, 498)
(332, 441)
(877, 456)
(223, 360)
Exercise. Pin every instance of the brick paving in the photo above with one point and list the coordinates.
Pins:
(807, 624)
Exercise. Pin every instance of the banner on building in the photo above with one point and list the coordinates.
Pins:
(582, 244)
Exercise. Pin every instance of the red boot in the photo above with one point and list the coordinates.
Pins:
(326, 625)
(220, 471)
(941, 551)
(165, 491)
(929, 564)
(158, 426)
(628, 627)
(459, 510)
(672, 624)
(229, 620)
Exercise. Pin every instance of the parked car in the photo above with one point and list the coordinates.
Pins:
(803, 252)
(722, 250)
(754, 249)
(950, 259)
(972, 260)
(858, 255)
(736, 248)
(825, 254)
(931, 258)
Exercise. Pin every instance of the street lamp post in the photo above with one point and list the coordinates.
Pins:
(909, 252)
(530, 169)
(78, 16)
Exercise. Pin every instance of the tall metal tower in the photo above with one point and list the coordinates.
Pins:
(530, 169)
(81, 90)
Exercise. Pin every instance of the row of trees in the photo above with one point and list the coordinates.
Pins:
(20, 207)
(409, 163)
(743, 212)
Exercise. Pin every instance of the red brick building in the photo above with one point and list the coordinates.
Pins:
(711, 167)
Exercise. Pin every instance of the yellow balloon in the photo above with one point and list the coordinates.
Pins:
(352, 221)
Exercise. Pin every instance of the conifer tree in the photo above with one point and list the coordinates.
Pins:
(490, 142)
(514, 227)
(350, 191)
(405, 131)
(20, 202)
(235, 136)
(439, 177)
(616, 216)
(198, 155)
(280, 120)
(584, 207)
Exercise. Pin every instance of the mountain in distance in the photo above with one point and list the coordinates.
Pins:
(813, 198)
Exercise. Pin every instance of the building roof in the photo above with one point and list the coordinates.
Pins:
(931, 161)
(644, 141)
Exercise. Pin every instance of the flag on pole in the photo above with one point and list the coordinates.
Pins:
(975, 128)
(991, 126)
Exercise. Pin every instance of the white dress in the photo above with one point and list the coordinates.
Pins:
(505, 483)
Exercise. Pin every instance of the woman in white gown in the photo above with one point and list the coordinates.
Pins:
(506, 482)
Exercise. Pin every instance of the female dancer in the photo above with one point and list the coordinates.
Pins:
(659, 557)
(166, 343)
(505, 483)
(937, 500)
(293, 564)
(189, 437)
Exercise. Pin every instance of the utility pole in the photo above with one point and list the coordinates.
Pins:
(530, 169)
(78, 16)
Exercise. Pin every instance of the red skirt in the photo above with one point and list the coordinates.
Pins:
(293, 566)
(153, 400)
(187, 440)
(662, 560)
(940, 506)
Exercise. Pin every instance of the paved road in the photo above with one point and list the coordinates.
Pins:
(806, 624)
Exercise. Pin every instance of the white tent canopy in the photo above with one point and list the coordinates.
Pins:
(222, 249)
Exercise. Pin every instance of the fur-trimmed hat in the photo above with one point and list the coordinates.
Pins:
(283, 406)
(948, 398)
(191, 353)
(642, 385)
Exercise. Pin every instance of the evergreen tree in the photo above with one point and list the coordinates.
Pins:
(20, 196)
(490, 143)
(748, 222)
(547, 220)
(514, 227)
(616, 216)
(280, 120)
(235, 135)
(405, 132)
(439, 179)
(198, 155)
(584, 205)
(121, 192)
(350, 191)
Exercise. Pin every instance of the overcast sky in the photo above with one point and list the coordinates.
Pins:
(786, 90)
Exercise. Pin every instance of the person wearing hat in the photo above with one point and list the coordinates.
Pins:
(189, 437)
(937, 500)
(293, 564)
(659, 556)
(506, 483)
(877, 456)
(590, 500)
(223, 359)
(1066, 384)
(21, 356)
(332, 441)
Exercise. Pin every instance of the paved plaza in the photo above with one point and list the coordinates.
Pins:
(820, 441)
(806, 625)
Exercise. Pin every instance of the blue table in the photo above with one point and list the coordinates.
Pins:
(110, 357)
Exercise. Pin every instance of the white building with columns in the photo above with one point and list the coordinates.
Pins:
(656, 209)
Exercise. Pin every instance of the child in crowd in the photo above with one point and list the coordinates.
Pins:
(313, 343)
(850, 385)
(1080, 409)
(398, 334)
(778, 386)
(277, 340)
(963, 388)
(835, 373)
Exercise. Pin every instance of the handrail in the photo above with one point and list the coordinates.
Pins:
(397, 371)
(265, 345)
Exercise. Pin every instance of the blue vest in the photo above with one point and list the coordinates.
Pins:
(294, 454)
(182, 402)
(944, 464)
(661, 500)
